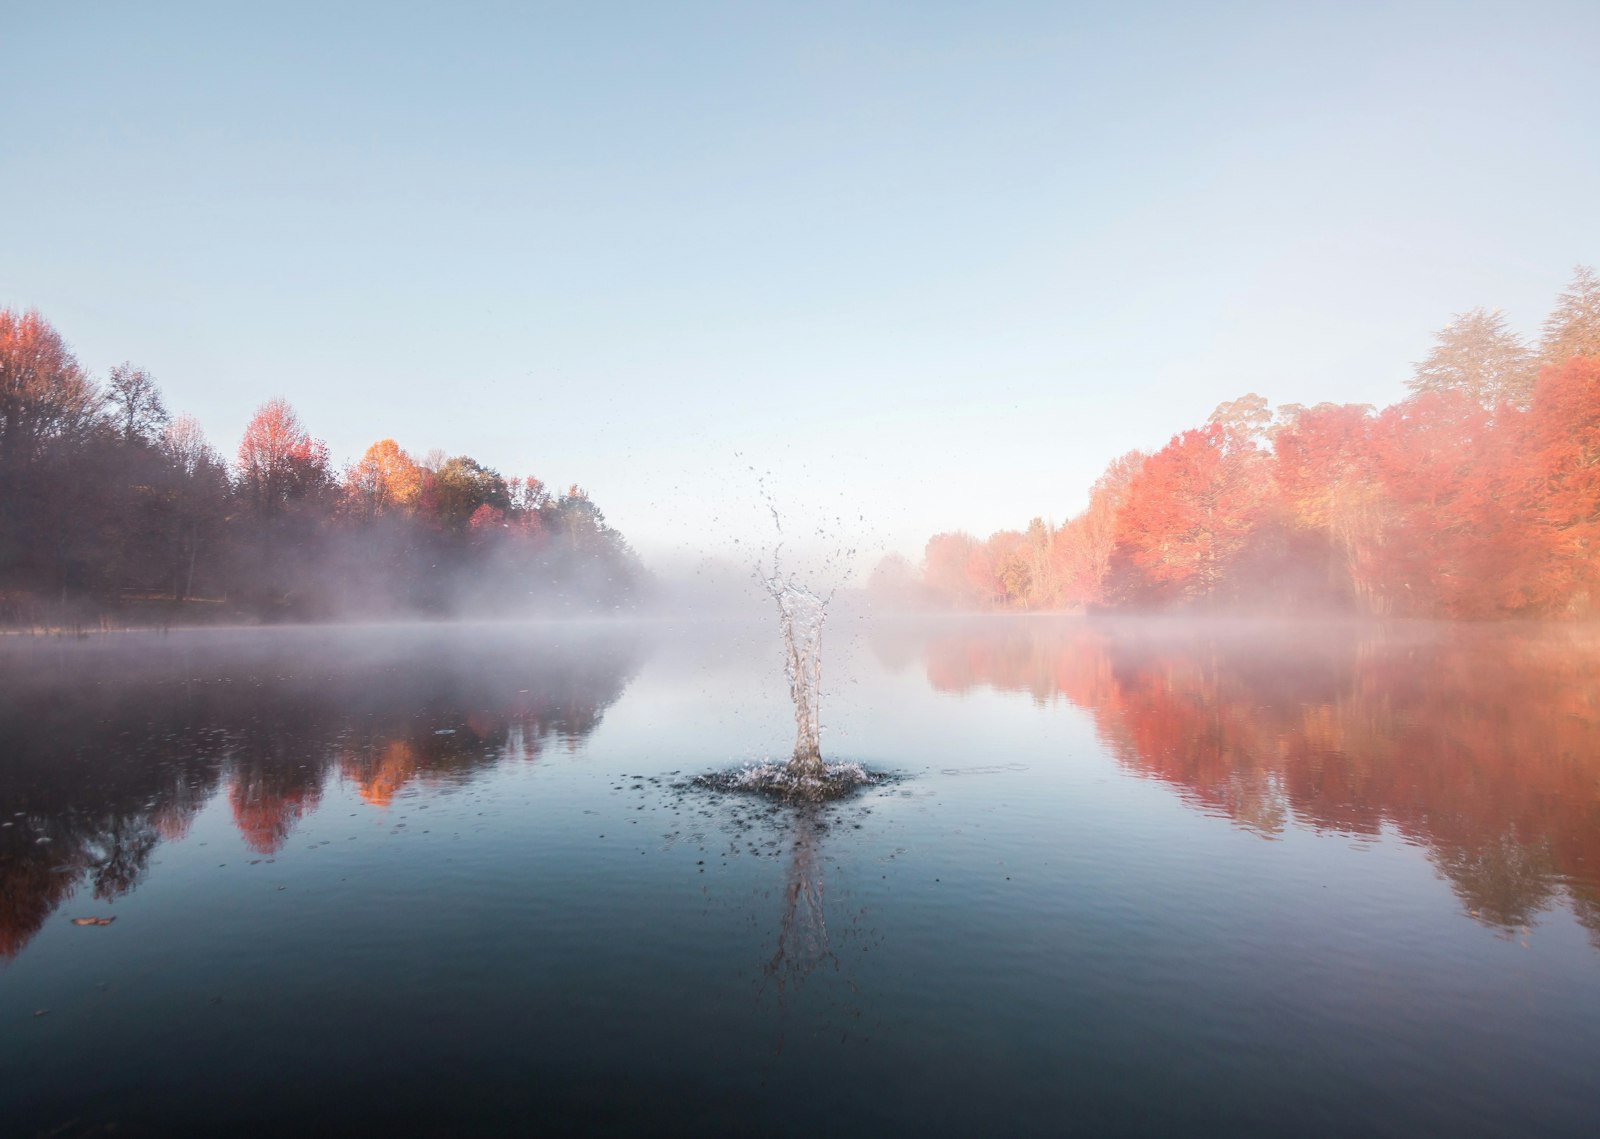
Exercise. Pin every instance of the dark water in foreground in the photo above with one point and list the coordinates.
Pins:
(1227, 880)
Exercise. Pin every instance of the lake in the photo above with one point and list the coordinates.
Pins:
(1134, 878)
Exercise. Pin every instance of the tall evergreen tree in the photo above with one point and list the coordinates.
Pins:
(1248, 418)
(1573, 329)
(1479, 357)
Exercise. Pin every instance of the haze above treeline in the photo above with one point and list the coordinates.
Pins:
(1476, 496)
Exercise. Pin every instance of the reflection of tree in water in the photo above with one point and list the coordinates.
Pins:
(453, 737)
(108, 748)
(1480, 743)
(55, 846)
(91, 781)
(1503, 881)
(274, 780)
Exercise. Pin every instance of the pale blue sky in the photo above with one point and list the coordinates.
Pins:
(931, 265)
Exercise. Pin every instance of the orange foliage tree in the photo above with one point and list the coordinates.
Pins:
(1189, 511)
(385, 480)
(1564, 444)
(1458, 540)
(1330, 489)
(1080, 551)
(1478, 496)
(43, 391)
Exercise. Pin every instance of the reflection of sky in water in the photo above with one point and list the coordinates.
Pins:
(1153, 882)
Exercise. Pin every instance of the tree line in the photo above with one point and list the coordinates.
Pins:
(107, 501)
(1476, 496)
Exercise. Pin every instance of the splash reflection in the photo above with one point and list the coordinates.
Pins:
(803, 943)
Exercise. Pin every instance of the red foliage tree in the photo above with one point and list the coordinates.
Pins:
(1329, 487)
(1190, 510)
(43, 391)
(278, 461)
(1564, 447)
(1080, 552)
(1461, 539)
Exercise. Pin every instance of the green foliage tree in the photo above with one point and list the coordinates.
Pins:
(461, 485)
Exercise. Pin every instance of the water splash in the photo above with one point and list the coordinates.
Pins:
(801, 613)
(781, 779)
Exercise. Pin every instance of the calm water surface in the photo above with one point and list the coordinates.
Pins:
(1137, 879)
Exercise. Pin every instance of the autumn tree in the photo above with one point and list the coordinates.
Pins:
(386, 479)
(529, 496)
(485, 522)
(1080, 554)
(279, 542)
(1479, 357)
(1471, 498)
(1190, 510)
(1564, 444)
(1459, 540)
(1330, 488)
(43, 391)
(1004, 575)
(1249, 417)
(279, 462)
(58, 479)
(1573, 329)
(106, 501)
(1076, 572)
(1040, 536)
(983, 585)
